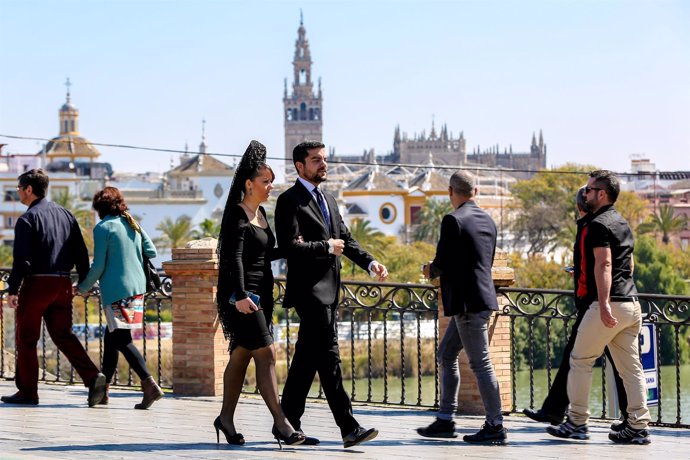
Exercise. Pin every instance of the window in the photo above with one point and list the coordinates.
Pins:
(388, 213)
(415, 214)
(11, 194)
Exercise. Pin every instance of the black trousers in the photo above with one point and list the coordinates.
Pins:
(317, 350)
(120, 341)
(556, 402)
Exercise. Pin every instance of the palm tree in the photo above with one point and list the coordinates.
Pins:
(666, 222)
(175, 234)
(207, 228)
(430, 217)
(369, 238)
(84, 216)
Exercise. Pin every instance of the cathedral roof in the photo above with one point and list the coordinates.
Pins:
(202, 165)
(68, 145)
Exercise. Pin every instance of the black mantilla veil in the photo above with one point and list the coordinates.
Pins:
(252, 160)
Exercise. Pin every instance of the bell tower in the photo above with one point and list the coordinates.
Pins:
(302, 107)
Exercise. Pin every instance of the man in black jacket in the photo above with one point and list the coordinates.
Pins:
(464, 257)
(313, 236)
(47, 245)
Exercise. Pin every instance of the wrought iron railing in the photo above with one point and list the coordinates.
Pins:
(89, 327)
(389, 339)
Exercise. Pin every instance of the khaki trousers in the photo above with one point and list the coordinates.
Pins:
(623, 342)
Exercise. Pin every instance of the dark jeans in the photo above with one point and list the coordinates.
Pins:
(50, 298)
(317, 350)
(471, 332)
(557, 402)
(120, 340)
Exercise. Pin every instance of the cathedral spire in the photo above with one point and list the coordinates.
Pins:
(302, 106)
(69, 115)
(202, 146)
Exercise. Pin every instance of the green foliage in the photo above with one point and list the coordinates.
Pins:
(545, 208)
(84, 216)
(208, 228)
(654, 269)
(632, 208)
(666, 222)
(175, 233)
(430, 217)
(6, 257)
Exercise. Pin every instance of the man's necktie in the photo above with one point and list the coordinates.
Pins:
(324, 208)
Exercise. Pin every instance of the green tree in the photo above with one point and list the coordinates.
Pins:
(175, 234)
(372, 240)
(5, 255)
(207, 228)
(84, 215)
(632, 208)
(655, 273)
(666, 222)
(545, 207)
(430, 217)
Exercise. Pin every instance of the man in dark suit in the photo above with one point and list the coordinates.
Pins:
(464, 256)
(313, 236)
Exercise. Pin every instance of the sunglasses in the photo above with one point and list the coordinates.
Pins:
(589, 189)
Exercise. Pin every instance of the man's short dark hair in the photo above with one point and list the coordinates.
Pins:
(301, 150)
(463, 183)
(37, 179)
(608, 182)
(581, 199)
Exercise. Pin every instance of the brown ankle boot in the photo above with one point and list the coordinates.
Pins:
(104, 400)
(152, 393)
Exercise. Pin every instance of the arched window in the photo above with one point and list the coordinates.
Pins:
(294, 114)
(288, 114)
(317, 114)
(311, 113)
(303, 111)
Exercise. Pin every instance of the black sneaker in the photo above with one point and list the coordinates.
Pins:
(619, 425)
(439, 429)
(629, 435)
(489, 434)
(568, 429)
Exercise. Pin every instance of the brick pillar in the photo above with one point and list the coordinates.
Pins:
(469, 399)
(200, 352)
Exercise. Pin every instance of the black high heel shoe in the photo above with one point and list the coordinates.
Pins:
(295, 439)
(235, 439)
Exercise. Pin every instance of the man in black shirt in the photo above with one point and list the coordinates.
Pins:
(47, 245)
(614, 317)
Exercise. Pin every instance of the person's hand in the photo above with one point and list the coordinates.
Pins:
(246, 306)
(426, 270)
(606, 316)
(13, 301)
(75, 291)
(338, 246)
(380, 270)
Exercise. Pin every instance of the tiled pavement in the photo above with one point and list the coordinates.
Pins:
(63, 427)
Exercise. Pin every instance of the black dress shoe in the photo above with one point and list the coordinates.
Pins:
(96, 390)
(541, 416)
(359, 435)
(19, 399)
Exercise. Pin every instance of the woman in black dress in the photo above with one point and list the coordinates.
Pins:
(245, 294)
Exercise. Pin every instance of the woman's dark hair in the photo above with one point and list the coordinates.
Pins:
(252, 163)
(109, 202)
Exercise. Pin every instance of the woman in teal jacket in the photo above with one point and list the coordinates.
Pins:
(119, 246)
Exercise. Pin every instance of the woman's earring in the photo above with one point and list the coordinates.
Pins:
(250, 192)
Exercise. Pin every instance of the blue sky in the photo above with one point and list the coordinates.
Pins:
(603, 79)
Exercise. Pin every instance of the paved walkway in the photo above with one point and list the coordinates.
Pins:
(63, 427)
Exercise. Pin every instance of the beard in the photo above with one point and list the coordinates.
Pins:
(318, 177)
